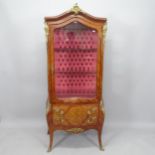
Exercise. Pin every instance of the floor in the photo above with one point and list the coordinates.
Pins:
(32, 140)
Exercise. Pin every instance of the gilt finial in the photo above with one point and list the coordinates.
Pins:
(76, 9)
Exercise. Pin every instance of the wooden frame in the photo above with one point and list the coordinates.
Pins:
(74, 15)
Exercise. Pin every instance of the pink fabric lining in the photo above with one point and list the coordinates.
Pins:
(75, 63)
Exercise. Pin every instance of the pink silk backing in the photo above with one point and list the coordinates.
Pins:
(75, 63)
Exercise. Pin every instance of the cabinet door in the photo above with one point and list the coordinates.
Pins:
(75, 61)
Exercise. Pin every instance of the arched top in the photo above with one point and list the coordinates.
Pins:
(75, 12)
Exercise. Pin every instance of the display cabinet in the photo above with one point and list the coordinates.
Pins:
(75, 43)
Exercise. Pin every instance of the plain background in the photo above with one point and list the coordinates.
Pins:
(129, 62)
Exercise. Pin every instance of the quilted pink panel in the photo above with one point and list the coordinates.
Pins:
(75, 62)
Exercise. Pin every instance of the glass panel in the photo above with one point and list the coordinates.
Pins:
(75, 47)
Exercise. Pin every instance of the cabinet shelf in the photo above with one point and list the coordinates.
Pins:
(75, 49)
(73, 72)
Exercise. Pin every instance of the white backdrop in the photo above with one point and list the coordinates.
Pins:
(129, 73)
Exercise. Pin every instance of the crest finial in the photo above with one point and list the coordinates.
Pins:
(76, 9)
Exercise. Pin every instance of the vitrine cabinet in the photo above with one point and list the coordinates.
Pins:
(75, 43)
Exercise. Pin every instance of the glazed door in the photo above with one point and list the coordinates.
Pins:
(75, 61)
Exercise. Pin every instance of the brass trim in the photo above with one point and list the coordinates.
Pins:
(102, 105)
(101, 147)
(48, 106)
(46, 28)
(76, 9)
(104, 30)
(75, 130)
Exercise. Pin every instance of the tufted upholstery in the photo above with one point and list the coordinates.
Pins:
(75, 62)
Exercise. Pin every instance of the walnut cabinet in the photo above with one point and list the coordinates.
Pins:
(75, 50)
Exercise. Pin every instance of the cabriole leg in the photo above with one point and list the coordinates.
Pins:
(100, 139)
(51, 141)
